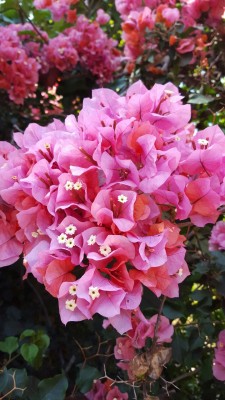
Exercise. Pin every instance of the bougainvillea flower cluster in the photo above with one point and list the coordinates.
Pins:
(149, 25)
(58, 9)
(18, 71)
(127, 346)
(24, 58)
(94, 204)
(217, 239)
(219, 360)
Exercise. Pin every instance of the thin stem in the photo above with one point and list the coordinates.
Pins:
(157, 323)
(20, 9)
(41, 302)
(12, 359)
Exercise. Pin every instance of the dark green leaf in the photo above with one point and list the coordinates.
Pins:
(179, 348)
(18, 378)
(4, 377)
(53, 388)
(9, 345)
(172, 311)
(86, 377)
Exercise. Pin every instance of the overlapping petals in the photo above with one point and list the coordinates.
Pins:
(95, 204)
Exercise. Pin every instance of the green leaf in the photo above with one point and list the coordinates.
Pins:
(220, 284)
(200, 295)
(4, 377)
(27, 32)
(202, 267)
(53, 388)
(206, 370)
(19, 378)
(179, 348)
(31, 391)
(200, 99)
(9, 345)
(86, 377)
(172, 311)
(196, 342)
(42, 341)
(29, 352)
(27, 333)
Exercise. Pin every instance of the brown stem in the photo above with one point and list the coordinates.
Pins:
(157, 323)
(21, 10)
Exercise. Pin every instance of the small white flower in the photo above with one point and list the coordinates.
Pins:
(70, 243)
(70, 229)
(78, 185)
(91, 240)
(69, 185)
(94, 292)
(73, 290)
(34, 234)
(204, 142)
(70, 304)
(62, 238)
(105, 250)
(122, 198)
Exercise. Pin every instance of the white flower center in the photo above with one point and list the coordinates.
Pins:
(70, 229)
(94, 292)
(105, 250)
(72, 290)
(62, 238)
(70, 305)
(34, 234)
(204, 142)
(69, 185)
(91, 240)
(78, 185)
(70, 243)
(122, 198)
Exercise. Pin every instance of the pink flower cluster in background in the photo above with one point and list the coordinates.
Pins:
(193, 10)
(59, 9)
(219, 360)
(24, 58)
(96, 202)
(217, 239)
(18, 70)
(141, 31)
